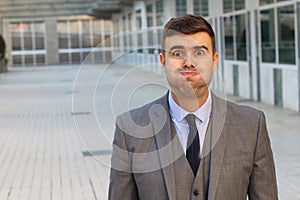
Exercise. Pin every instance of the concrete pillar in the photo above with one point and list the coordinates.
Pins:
(51, 42)
(215, 8)
(1, 24)
(298, 35)
(253, 39)
(169, 9)
(190, 6)
(7, 37)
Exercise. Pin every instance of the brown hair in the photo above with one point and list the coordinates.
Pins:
(188, 24)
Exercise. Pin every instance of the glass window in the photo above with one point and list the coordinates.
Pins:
(160, 12)
(39, 29)
(239, 4)
(227, 6)
(264, 2)
(97, 32)
(138, 18)
(129, 21)
(267, 35)
(107, 31)
(201, 7)
(62, 29)
(282, 0)
(180, 7)
(149, 15)
(16, 37)
(77, 36)
(17, 60)
(228, 29)
(63, 58)
(124, 24)
(232, 5)
(286, 35)
(74, 34)
(40, 59)
(86, 35)
(26, 38)
(28, 41)
(235, 41)
(28, 33)
(150, 38)
(28, 60)
(116, 27)
(241, 37)
(39, 43)
(76, 57)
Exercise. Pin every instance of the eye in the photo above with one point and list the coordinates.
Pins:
(199, 52)
(177, 53)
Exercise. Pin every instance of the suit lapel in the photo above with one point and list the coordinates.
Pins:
(168, 145)
(215, 142)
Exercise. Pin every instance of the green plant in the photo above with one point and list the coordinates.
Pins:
(2, 48)
(3, 60)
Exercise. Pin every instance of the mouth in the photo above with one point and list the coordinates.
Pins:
(188, 73)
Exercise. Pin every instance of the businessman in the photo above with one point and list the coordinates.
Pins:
(191, 144)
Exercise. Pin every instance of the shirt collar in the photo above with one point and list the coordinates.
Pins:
(179, 113)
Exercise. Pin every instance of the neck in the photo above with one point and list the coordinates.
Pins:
(190, 104)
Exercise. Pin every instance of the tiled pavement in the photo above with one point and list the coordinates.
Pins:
(45, 133)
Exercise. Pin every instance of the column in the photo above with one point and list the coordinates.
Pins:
(190, 6)
(7, 37)
(170, 9)
(215, 8)
(52, 42)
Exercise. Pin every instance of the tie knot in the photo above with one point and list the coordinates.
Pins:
(190, 118)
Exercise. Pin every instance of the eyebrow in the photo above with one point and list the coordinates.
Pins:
(176, 47)
(194, 47)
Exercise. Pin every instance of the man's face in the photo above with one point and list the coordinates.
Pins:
(189, 63)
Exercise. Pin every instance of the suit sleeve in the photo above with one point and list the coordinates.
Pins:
(263, 185)
(122, 184)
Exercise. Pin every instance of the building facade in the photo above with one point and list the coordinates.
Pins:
(258, 40)
(43, 32)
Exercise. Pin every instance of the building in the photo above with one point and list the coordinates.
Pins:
(257, 39)
(41, 32)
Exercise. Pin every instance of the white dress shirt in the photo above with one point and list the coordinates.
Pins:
(182, 128)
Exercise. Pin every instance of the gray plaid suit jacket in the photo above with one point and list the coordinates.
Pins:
(146, 156)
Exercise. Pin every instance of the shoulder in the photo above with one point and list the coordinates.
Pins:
(243, 110)
(238, 111)
(142, 115)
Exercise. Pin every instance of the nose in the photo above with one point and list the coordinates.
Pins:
(188, 63)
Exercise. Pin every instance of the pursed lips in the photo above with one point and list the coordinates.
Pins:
(188, 73)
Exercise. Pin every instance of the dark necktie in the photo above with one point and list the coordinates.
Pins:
(193, 144)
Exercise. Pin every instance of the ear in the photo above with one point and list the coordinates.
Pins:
(215, 61)
(162, 60)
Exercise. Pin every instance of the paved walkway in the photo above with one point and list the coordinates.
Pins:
(55, 140)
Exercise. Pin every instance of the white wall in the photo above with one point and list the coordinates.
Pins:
(267, 85)
(290, 89)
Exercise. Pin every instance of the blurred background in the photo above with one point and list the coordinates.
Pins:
(257, 39)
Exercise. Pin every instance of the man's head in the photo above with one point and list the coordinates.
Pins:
(189, 56)
(188, 24)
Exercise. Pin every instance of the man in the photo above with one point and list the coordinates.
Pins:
(191, 144)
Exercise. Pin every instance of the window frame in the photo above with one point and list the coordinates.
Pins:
(234, 15)
(275, 7)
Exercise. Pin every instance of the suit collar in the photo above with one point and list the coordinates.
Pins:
(179, 113)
